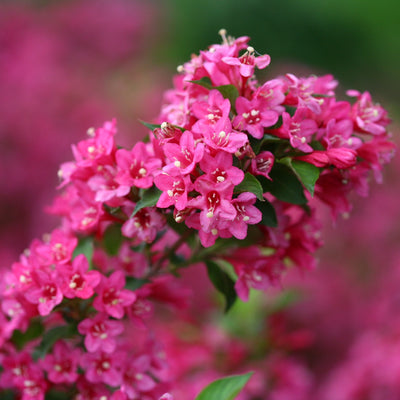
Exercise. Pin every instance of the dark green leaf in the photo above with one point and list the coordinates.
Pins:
(150, 126)
(205, 81)
(85, 246)
(35, 330)
(307, 173)
(257, 144)
(224, 389)
(250, 184)
(58, 395)
(7, 394)
(51, 337)
(112, 239)
(149, 199)
(135, 283)
(229, 92)
(284, 185)
(222, 282)
(268, 213)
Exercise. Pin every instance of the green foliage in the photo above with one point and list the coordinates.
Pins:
(285, 185)
(85, 247)
(113, 239)
(307, 173)
(149, 199)
(269, 217)
(224, 389)
(35, 330)
(135, 283)
(222, 282)
(150, 126)
(250, 184)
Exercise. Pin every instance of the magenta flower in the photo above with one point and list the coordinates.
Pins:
(262, 164)
(103, 367)
(136, 167)
(61, 365)
(253, 116)
(112, 297)
(246, 214)
(175, 190)
(100, 333)
(185, 156)
(76, 280)
(45, 292)
(247, 62)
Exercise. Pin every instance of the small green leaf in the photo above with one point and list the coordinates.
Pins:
(205, 81)
(268, 213)
(224, 389)
(308, 174)
(222, 282)
(35, 330)
(135, 283)
(51, 337)
(257, 144)
(150, 126)
(250, 184)
(7, 394)
(112, 239)
(229, 92)
(85, 246)
(149, 199)
(284, 185)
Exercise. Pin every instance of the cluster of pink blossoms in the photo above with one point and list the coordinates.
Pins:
(226, 178)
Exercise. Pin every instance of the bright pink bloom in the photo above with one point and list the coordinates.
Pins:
(183, 157)
(262, 164)
(61, 365)
(112, 297)
(167, 133)
(339, 157)
(247, 62)
(253, 116)
(219, 169)
(246, 214)
(136, 167)
(76, 280)
(45, 292)
(100, 333)
(103, 367)
(175, 190)
(367, 116)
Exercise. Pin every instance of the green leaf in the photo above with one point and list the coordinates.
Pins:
(307, 173)
(284, 185)
(51, 337)
(205, 81)
(85, 246)
(222, 282)
(113, 239)
(150, 126)
(35, 330)
(135, 283)
(7, 394)
(268, 213)
(224, 389)
(257, 144)
(250, 184)
(229, 92)
(149, 199)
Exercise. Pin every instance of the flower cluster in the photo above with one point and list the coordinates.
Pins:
(226, 178)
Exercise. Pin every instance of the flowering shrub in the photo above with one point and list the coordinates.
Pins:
(231, 177)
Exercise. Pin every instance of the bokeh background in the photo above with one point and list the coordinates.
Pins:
(68, 65)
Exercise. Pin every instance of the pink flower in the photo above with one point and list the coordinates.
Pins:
(112, 298)
(339, 157)
(61, 365)
(253, 116)
(100, 333)
(77, 281)
(175, 190)
(246, 214)
(262, 164)
(136, 167)
(185, 156)
(247, 62)
(45, 292)
(103, 367)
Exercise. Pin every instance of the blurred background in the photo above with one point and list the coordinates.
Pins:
(68, 65)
